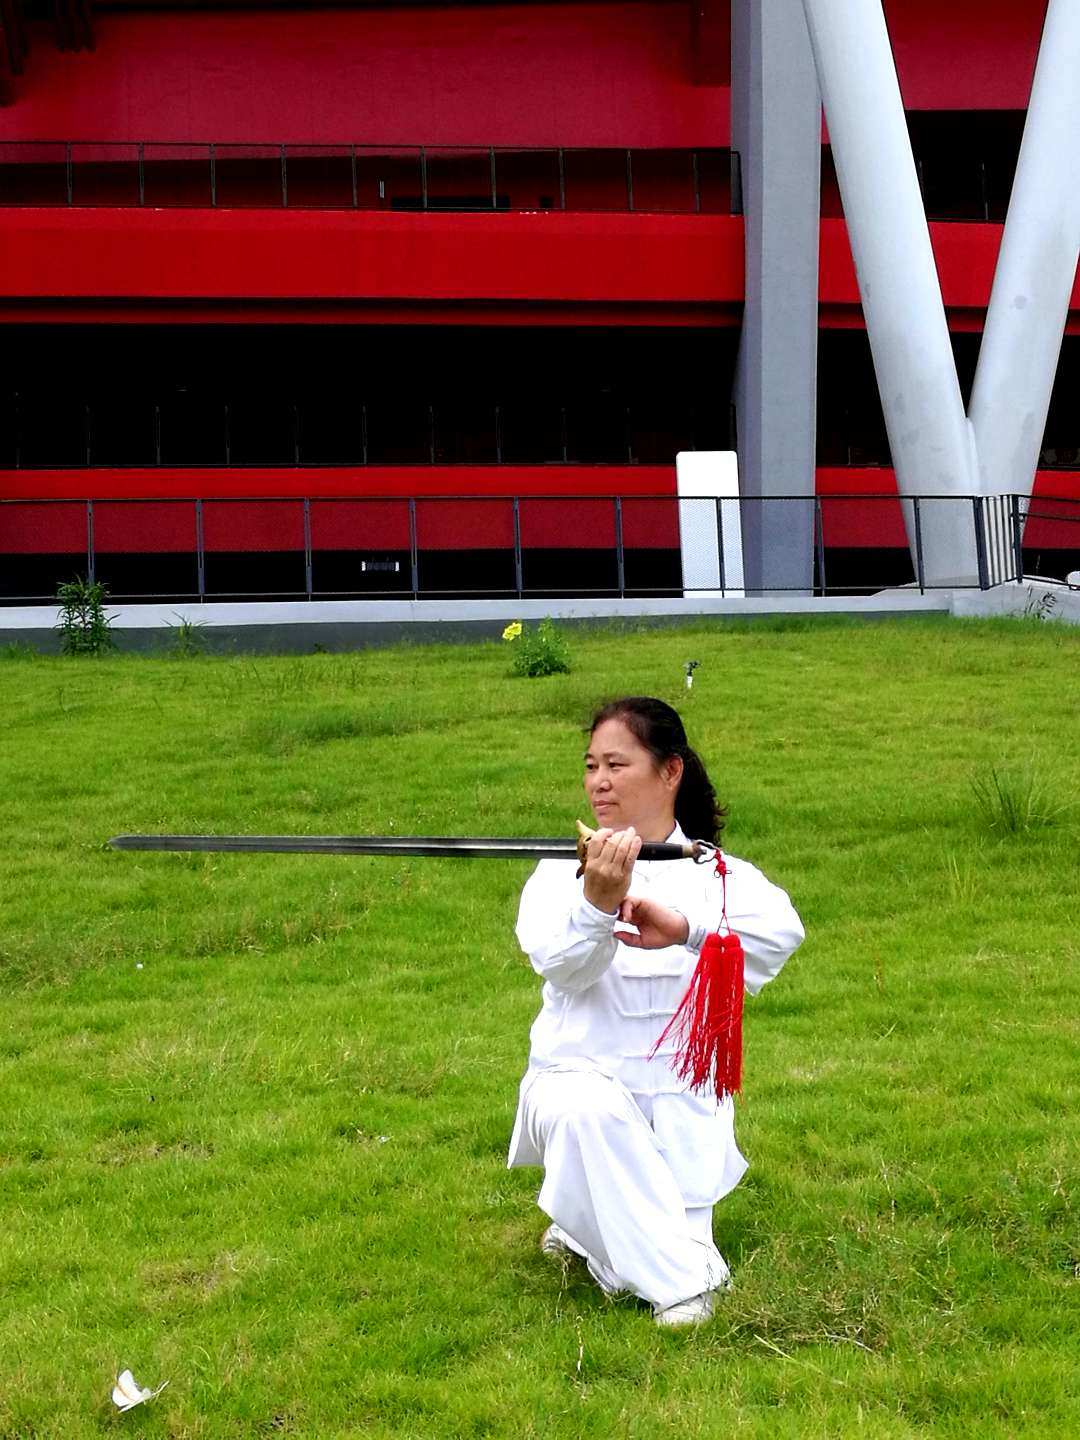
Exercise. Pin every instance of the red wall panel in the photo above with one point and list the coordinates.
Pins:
(253, 525)
(965, 54)
(573, 525)
(153, 528)
(334, 256)
(590, 74)
(43, 529)
(578, 520)
(871, 523)
(1054, 525)
(966, 256)
(275, 524)
(571, 75)
(465, 524)
(359, 525)
(345, 481)
(316, 259)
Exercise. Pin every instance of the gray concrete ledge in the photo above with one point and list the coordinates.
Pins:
(333, 625)
(300, 626)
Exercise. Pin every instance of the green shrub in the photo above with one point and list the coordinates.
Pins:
(84, 628)
(541, 650)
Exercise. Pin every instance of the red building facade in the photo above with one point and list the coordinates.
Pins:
(320, 270)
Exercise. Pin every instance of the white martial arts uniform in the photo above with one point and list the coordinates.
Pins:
(633, 1161)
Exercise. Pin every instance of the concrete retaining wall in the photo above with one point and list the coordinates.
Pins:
(302, 626)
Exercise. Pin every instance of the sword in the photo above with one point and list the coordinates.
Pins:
(463, 847)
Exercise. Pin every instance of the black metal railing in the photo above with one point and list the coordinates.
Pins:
(512, 545)
(489, 178)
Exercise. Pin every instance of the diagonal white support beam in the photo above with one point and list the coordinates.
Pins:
(1036, 268)
(931, 443)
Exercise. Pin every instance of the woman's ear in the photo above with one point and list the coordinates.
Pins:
(672, 771)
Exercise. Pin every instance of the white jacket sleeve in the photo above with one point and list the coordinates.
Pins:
(762, 916)
(569, 942)
(764, 919)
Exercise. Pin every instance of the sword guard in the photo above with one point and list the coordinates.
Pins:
(584, 835)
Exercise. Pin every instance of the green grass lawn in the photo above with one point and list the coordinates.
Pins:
(255, 1108)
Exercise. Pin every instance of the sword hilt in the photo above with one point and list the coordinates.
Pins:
(700, 851)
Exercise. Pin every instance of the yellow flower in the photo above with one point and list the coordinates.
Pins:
(512, 631)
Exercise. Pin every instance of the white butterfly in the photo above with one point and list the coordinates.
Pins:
(127, 1394)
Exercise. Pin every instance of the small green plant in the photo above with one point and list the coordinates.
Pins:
(540, 651)
(84, 628)
(187, 638)
(1041, 607)
(17, 650)
(1015, 801)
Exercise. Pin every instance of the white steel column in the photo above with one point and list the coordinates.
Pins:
(1036, 268)
(932, 446)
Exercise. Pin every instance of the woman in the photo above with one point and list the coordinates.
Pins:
(633, 1160)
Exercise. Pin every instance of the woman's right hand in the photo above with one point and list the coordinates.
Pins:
(609, 864)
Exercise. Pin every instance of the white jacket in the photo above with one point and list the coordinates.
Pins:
(605, 1004)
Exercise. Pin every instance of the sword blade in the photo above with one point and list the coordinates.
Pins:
(491, 847)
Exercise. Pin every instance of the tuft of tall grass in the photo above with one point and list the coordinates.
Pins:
(1015, 801)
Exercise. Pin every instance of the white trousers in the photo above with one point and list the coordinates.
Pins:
(611, 1193)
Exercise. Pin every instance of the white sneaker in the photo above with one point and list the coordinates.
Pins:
(553, 1245)
(686, 1312)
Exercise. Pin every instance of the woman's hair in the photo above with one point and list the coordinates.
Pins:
(660, 730)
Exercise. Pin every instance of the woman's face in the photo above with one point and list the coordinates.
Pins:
(625, 786)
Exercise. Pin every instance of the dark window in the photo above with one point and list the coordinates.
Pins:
(122, 429)
(9, 431)
(176, 175)
(261, 430)
(33, 174)
(52, 430)
(597, 430)
(966, 161)
(465, 433)
(399, 433)
(663, 180)
(331, 430)
(528, 179)
(318, 176)
(659, 428)
(596, 180)
(248, 175)
(192, 429)
(532, 431)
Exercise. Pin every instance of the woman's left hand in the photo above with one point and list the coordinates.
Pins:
(657, 926)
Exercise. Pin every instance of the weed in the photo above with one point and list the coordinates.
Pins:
(84, 627)
(187, 638)
(539, 651)
(1041, 607)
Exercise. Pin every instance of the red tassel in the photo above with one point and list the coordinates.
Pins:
(708, 1023)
